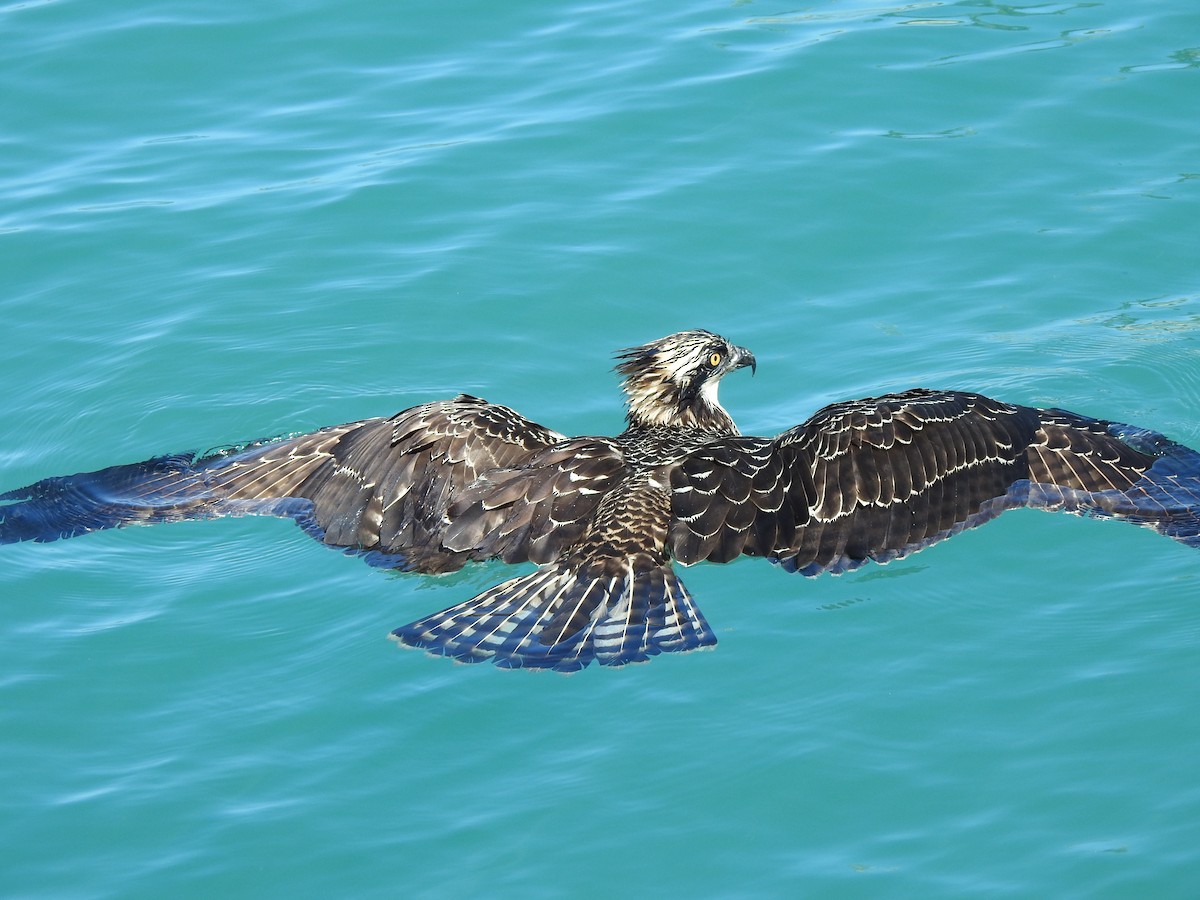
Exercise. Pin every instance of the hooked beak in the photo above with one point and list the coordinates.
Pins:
(745, 358)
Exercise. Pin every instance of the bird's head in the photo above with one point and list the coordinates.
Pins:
(673, 381)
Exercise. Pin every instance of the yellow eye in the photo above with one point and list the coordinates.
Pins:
(714, 360)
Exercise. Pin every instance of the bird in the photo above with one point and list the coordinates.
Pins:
(606, 520)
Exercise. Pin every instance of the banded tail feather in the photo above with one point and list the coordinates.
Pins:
(564, 616)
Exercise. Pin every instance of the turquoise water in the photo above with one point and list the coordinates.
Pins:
(224, 221)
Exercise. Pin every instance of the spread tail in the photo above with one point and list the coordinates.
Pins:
(563, 616)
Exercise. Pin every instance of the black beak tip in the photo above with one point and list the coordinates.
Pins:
(746, 358)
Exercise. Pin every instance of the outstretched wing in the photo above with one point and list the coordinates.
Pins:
(391, 488)
(879, 478)
(385, 485)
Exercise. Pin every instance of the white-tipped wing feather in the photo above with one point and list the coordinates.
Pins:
(879, 478)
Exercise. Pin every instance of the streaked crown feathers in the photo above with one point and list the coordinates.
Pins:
(673, 380)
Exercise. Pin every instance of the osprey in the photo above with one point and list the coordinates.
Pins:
(440, 485)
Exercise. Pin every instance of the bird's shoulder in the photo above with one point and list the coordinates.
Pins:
(889, 419)
(468, 417)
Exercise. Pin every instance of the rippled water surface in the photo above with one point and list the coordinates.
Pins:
(225, 221)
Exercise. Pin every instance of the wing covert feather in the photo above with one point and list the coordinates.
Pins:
(388, 485)
(533, 511)
(872, 479)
